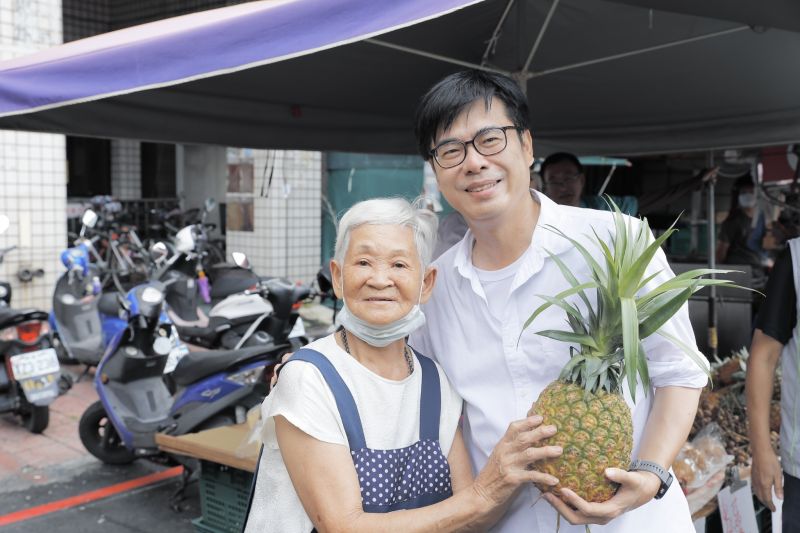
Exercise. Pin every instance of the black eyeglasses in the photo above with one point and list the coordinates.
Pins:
(563, 181)
(490, 141)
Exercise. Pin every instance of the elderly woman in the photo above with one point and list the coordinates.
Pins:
(362, 432)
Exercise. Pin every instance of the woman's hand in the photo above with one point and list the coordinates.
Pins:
(512, 461)
(636, 489)
(766, 474)
(274, 379)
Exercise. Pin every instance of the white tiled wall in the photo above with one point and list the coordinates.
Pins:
(285, 240)
(126, 169)
(32, 167)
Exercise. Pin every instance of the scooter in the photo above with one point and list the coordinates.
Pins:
(258, 315)
(214, 388)
(30, 373)
(85, 317)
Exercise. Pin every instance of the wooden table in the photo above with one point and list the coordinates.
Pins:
(225, 445)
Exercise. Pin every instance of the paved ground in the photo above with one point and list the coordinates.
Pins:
(46, 468)
(28, 459)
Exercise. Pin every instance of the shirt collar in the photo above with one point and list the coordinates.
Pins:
(544, 240)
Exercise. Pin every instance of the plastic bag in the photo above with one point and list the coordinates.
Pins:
(253, 439)
(700, 466)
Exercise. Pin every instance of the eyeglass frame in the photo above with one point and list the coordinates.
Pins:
(566, 181)
(504, 129)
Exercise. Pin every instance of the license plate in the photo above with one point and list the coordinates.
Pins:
(174, 357)
(33, 364)
(299, 329)
(40, 390)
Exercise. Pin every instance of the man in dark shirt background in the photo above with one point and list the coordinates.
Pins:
(775, 339)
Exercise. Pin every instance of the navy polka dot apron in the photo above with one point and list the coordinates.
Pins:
(403, 478)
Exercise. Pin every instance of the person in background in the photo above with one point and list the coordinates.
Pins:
(361, 432)
(776, 340)
(740, 236)
(563, 178)
(451, 230)
(564, 182)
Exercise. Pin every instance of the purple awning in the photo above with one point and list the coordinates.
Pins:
(602, 76)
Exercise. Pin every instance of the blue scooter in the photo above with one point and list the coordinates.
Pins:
(84, 319)
(213, 388)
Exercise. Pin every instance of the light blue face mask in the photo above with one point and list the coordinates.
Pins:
(747, 199)
(384, 334)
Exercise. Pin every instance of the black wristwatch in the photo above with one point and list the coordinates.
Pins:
(657, 469)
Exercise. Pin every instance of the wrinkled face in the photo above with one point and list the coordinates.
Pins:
(486, 187)
(382, 273)
(563, 183)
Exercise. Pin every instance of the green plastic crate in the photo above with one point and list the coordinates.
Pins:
(200, 527)
(224, 495)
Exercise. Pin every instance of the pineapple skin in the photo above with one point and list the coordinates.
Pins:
(595, 432)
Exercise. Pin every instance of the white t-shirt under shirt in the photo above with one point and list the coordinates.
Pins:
(497, 286)
(389, 412)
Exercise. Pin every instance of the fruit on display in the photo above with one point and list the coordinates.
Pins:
(586, 402)
(725, 406)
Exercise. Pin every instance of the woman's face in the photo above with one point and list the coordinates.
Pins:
(382, 273)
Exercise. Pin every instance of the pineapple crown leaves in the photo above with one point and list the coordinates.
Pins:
(610, 335)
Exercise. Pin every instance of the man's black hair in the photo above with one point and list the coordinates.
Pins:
(444, 101)
(560, 157)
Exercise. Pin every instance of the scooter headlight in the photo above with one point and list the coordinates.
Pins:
(247, 377)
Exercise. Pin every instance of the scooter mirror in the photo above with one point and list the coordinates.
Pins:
(158, 251)
(210, 204)
(240, 259)
(162, 346)
(4, 223)
(89, 218)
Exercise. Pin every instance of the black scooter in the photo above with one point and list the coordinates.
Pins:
(30, 376)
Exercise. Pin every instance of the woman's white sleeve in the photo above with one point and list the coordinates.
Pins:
(450, 416)
(303, 397)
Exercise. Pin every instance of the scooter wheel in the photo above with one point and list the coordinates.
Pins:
(100, 437)
(35, 418)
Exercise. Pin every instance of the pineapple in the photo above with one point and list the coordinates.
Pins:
(586, 402)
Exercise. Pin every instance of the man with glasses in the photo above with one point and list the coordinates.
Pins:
(564, 182)
(472, 128)
(562, 174)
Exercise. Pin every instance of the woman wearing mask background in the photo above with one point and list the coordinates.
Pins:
(361, 432)
(740, 236)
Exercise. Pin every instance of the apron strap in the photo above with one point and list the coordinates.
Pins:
(430, 401)
(344, 400)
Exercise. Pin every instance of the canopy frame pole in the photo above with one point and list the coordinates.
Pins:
(437, 57)
(635, 52)
(492, 43)
(607, 180)
(540, 36)
(713, 318)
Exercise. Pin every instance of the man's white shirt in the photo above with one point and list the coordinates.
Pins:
(500, 373)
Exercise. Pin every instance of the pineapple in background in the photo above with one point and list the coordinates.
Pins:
(586, 403)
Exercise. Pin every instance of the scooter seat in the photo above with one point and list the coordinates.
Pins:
(210, 332)
(108, 304)
(11, 317)
(197, 365)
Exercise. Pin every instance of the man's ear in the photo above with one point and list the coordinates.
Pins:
(336, 278)
(432, 163)
(527, 146)
(428, 281)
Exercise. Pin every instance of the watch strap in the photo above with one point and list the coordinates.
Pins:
(654, 468)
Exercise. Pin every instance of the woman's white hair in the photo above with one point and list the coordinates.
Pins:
(390, 211)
